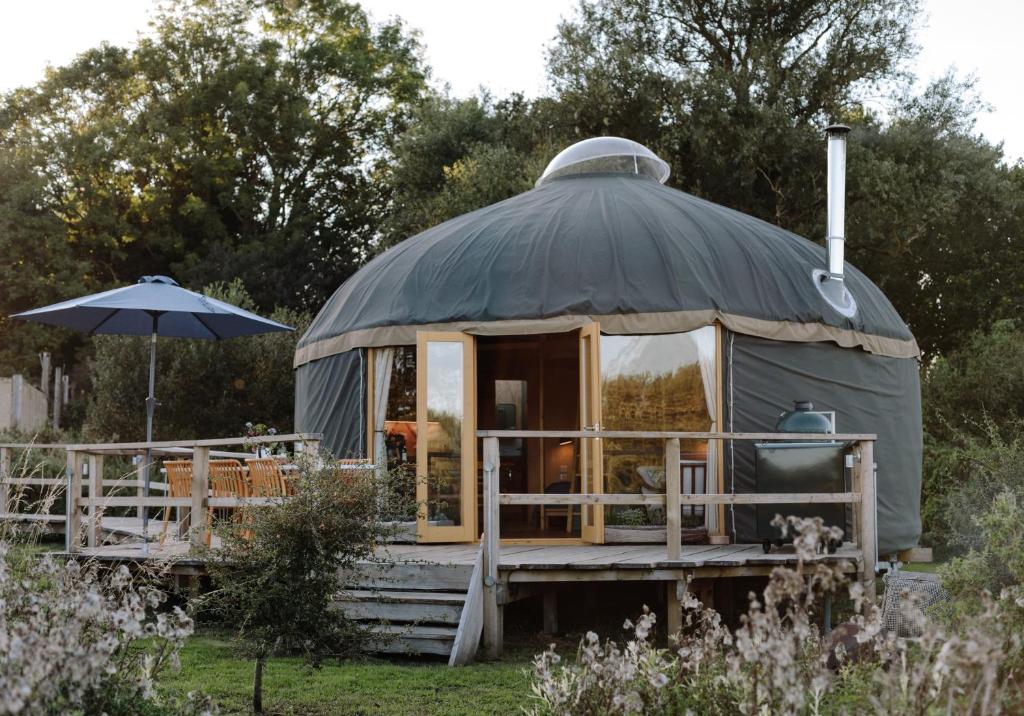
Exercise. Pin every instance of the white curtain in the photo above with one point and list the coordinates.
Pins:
(383, 360)
(705, 340)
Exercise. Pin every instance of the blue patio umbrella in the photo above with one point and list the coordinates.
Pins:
(155, 306)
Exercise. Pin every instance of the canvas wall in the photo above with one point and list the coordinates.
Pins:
(870, 394)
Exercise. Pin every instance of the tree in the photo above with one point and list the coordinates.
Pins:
(278, 570)
(462, 154)
(204, 388)
(973, 403)
(735, 97)
(38, 267)
(936, 218)
(239, 139)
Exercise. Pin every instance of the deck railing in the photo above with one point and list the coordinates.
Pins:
(85, 471)
(862, 495)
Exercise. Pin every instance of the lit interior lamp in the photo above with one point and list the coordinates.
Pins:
(565, 442)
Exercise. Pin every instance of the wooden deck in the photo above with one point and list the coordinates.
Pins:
(552, 563)
(530, 563)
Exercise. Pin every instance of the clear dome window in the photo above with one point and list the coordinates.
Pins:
(606, 154)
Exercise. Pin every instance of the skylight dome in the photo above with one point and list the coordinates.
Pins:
(606, 154)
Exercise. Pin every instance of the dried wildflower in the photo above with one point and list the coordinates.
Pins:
(71, 633)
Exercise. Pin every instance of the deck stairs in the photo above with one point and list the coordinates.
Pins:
(418, 608)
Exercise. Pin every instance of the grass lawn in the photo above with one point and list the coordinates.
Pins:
(210, 664)
(931, 567)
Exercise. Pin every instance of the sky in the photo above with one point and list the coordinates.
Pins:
(500, 45)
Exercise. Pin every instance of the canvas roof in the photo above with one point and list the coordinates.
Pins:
(623, 249)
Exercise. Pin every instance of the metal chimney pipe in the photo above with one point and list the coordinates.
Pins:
(836, 236)
(829, 281)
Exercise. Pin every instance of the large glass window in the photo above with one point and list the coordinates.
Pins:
(443, 442)
(655, 383)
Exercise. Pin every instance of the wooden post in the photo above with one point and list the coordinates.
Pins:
(5, 475)
(94, 536)
(57, 394)
(311, 449)
(675, 591)
(868, 526)
(44, 378)
(492, 633)
(550, 597)
(198, 528)
(72, 520)
(140, 486)
(673, 523)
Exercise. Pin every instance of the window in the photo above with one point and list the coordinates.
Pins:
(400, 415)
(659, 382)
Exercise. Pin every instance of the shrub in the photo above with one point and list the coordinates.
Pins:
(967, 478)
(973, 402)
(995, 561)
(777, 662)
(76, 639)
(279, 568)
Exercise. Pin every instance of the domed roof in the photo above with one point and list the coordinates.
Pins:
(616, 247)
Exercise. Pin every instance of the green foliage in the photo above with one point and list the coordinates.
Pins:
(733, 95)
(996, 560)
(238, 139)
(961, 482)
(981, 379)
(628, 516)
(973, 400)
(277, 571)
(279, 568)
(936, 218)
(204, 388)
(460, 155)
(39, 267)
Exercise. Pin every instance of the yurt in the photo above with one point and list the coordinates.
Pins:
(603, 298)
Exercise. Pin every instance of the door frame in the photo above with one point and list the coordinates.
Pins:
(467, 530)
(591, 451)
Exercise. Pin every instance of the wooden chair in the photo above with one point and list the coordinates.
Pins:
(562, 487)
(266, 478)
(227, 479)
(179, 484)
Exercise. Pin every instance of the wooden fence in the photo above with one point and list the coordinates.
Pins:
(85, 469)
(862, 494)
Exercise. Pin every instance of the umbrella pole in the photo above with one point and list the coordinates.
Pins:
(150, 409)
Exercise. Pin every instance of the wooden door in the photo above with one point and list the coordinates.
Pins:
(445, 437)
(591, 457)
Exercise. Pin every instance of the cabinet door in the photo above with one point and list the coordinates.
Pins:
(445, 437)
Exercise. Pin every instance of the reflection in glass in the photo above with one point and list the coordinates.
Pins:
(400, 414)
(653, 383)
(445, 413)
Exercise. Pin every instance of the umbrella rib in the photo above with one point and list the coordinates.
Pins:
(113, 312)
(207, 327)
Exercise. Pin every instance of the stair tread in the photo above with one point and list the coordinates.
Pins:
(416, 631)
(402, 596)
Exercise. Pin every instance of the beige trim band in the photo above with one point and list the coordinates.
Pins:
(616, 324)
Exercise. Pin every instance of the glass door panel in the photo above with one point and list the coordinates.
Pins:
(445, 427)
(591, 460)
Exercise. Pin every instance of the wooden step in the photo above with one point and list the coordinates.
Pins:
(404, 575)
(414, 639)
(402, 606)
